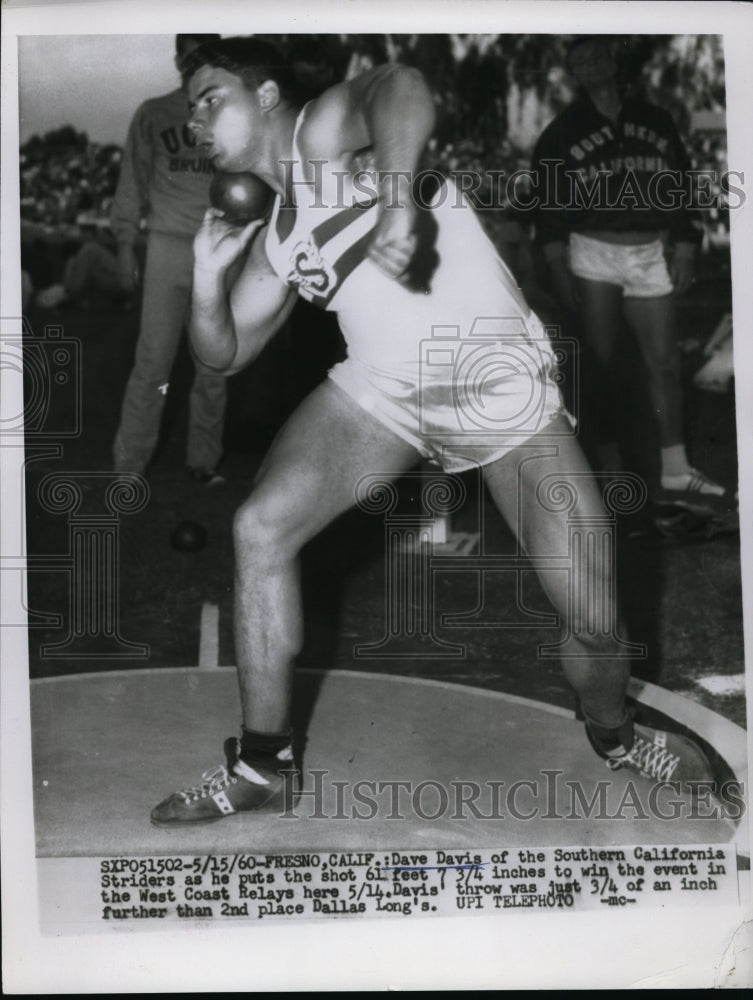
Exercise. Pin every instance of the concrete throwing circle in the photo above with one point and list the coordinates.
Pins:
(391, 762)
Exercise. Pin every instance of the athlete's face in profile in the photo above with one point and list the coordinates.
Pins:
(592, 63)
(225, 117)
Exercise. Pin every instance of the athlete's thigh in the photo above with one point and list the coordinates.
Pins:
(653, 322)
(312, 470)
(538, 488)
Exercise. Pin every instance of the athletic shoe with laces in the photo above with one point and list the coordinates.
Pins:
(662, 756)
(695, 491)
(230, 788)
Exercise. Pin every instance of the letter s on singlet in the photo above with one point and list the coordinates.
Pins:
(309, 270)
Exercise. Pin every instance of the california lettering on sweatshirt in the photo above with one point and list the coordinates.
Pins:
(595, 175)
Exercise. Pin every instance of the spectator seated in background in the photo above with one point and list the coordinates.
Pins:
(66, 188)
(90, 276)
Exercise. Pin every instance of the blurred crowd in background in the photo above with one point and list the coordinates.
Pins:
(495, 94)
(66, 188)
(64, 175)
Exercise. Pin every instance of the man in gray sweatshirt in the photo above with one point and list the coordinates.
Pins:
(164, 180)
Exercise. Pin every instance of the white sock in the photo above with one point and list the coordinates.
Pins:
(674, 460)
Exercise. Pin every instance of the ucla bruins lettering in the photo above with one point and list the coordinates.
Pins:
(172, 140)
(181, 145)
(179, 164)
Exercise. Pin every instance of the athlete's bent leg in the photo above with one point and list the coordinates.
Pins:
(599, 679)
(308, 478)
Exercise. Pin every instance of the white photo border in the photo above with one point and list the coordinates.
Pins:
(688, 948)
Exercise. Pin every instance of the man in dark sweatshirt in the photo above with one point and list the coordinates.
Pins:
(615, 224)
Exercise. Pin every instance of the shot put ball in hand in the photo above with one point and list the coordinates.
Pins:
(242, 198)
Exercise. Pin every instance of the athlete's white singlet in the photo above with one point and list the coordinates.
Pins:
(383, 322)
(420, 360)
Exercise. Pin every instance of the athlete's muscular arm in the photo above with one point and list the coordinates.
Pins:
(236, 307)
(391, 110)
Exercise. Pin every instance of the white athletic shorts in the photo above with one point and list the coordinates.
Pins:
(467, 402)
(641, 271)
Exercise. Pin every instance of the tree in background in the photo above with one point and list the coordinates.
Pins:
(494, 95)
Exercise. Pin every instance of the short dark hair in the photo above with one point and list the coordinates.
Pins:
(182, 40)
(301, 73)
(252, 59)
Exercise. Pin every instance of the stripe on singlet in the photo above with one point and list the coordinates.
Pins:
(328, 229)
